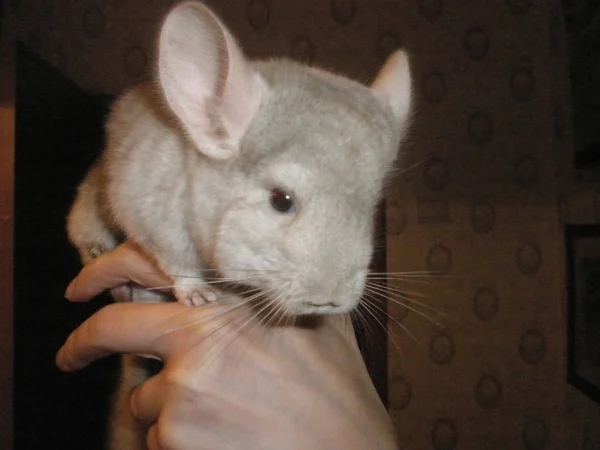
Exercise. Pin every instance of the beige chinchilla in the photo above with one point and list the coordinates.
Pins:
(266, 172)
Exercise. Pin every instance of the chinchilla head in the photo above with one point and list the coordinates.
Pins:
(304, 154)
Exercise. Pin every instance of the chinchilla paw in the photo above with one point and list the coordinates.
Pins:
(193, 294)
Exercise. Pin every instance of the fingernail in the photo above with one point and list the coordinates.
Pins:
(69, 291)
(148, 356)
(209, 296)
(59, 360)
(133, 407)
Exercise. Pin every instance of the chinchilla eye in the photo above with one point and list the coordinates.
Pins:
(282, 202)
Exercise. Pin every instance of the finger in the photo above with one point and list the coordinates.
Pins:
(152, 439)
(124, 264)
(126, 328)
(157, 329)
(158, 440)
(147, 400)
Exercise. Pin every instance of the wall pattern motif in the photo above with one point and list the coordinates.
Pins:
(477, 354)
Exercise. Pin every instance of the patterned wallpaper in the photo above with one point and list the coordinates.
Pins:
(477, 356)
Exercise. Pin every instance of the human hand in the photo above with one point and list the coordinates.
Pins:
(228, 383)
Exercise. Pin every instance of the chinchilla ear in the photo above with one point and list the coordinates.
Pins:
(207, 81)
(393, 85)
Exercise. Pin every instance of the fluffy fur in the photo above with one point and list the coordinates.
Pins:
(191, 160)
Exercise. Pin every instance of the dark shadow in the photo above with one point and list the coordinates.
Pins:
(58, 133)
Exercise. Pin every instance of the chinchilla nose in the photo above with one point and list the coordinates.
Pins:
(324, 304)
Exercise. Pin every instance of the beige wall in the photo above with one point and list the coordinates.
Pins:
(486, 187)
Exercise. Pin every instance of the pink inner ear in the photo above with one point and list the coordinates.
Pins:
(206, 80)
(242, 92)
(393, 84)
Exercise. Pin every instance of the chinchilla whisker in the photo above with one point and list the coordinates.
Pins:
(393, 319)
(192, 270)
(261, 297)
(382, 325)
(250, 319)
(272, 337)
(250, 273)
(387, 292)
(347, 321)
(275, 312)
(284, 319)
(200, 320)
(430, 273)
(412, 280)
(367, 307)
(371, 290)
(223, 280)
(219, 279)
(274, 307)
(406, 272)
(276, 301)
(252, 298)
(235, 269)
(396, 289)
(257, 313)
(366, 323)
(364, 326)
(261, 300)
(397, 293)
(159, 288)
(225, 324)
(216, 350)
(194, 277)
(413, 166)
(227, 310)
(413, 277)
(232, 268)
(231, 280)
(379, 294)
(239, 280)
(250, 291)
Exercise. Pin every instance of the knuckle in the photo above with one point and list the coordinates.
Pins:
(177, 380)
